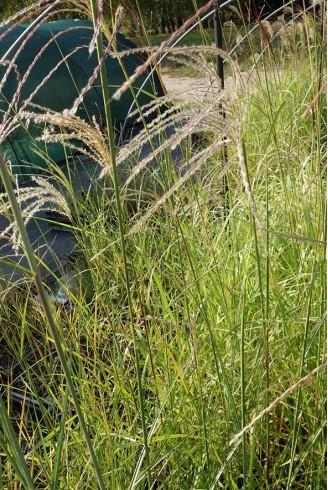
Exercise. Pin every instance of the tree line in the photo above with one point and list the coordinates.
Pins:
(162, 16)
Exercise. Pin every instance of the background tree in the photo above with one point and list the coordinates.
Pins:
(158, 16)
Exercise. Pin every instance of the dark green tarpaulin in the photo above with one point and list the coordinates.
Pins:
(61, 89)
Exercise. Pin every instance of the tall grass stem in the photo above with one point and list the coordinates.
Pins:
(44, 299)
(15, 456)
(112, 149)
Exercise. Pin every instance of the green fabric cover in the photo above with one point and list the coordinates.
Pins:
(61, 89)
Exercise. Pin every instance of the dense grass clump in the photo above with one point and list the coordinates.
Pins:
(193, 353)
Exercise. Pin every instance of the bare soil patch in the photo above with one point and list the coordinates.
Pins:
(189, 89)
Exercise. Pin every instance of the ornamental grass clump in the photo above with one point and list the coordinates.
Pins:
(194, 354)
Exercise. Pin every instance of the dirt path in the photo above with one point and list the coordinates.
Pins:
(191, 88)
(186, 87)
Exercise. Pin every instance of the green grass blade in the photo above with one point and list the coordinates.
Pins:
(12, 449)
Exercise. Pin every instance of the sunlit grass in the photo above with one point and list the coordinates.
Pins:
(206, 316)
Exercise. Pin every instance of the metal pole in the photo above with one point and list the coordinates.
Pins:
(218, 41)
(220, 72)
(29, 29)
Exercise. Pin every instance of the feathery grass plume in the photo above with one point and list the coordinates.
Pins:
(289, 29)
(300, 28)
(198, 115)
(97, 27)
(235, 11)
(204, 115)
(287, 37)
(185, 121)
(310, 33)
(268, 27)
(10, 117)
(118, 20)
(42, 196)
(8, 120)
(288, 10)
(279, 24)
(245, 178)
(229, 23)
(239, 38)
(63, 60)
(68, 129)
(196, 163)
(142, 68)
(83, 8)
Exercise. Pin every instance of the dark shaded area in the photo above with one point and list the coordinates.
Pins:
(51, 242)
(254, 9)
(165, 16)
(159, 16)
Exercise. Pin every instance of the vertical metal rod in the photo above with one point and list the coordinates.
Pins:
(218, 41)
(220, 72)
(29, 29)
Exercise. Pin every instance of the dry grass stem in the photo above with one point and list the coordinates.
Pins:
(276, 402)
(195, 164)
(160, 50)
(118, 20)
(8, 119)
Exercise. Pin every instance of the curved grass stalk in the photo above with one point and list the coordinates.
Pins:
(278, 400)
(191, 28)
(29, 29)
